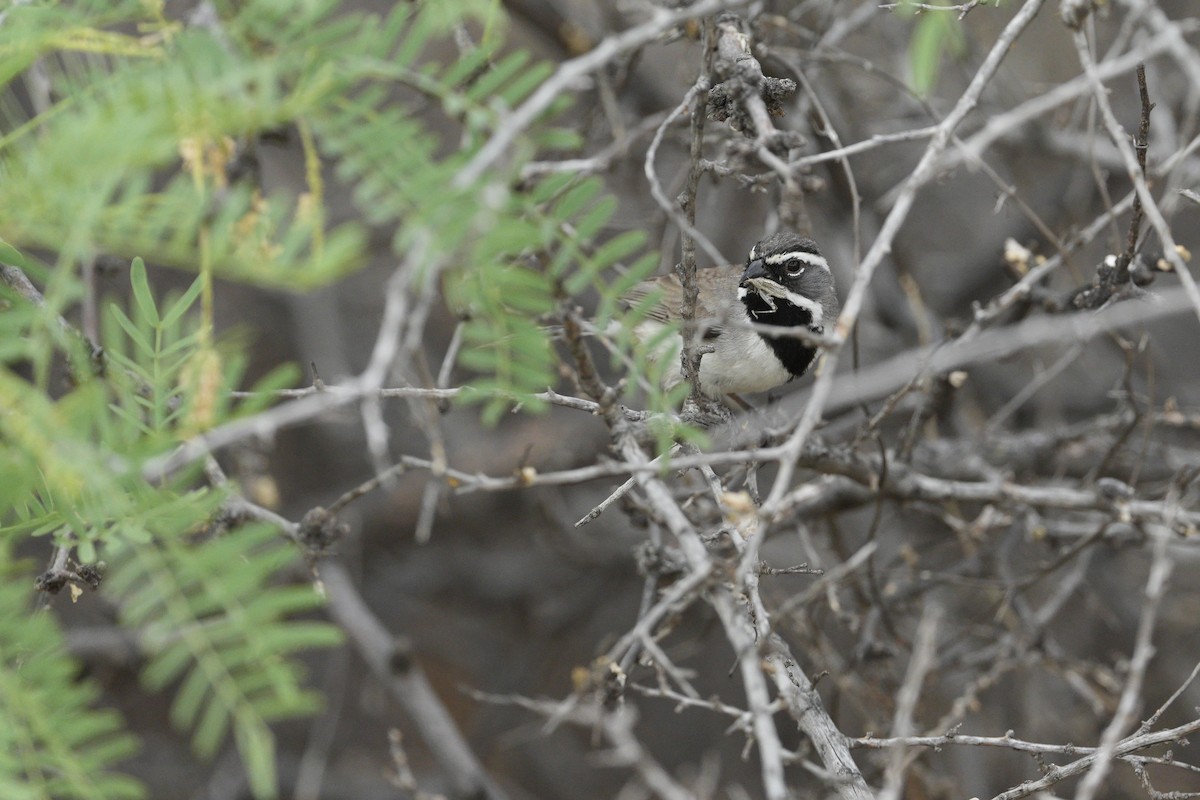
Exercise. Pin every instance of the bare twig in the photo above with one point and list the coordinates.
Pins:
(394, 664)
(906, 700)
(1131, 695)
(1131, 744)
(693, 99)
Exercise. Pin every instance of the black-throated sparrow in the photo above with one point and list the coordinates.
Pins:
(785, 282)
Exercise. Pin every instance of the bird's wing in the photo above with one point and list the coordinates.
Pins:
(718, 292)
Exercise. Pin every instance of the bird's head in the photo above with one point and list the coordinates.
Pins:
(786, 264)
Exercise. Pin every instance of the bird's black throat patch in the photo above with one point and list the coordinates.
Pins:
(791, 352)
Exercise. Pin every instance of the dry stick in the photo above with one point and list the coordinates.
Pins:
(1036, 383)
(1141, 145)
(828, 580)
(391, 660)
(1170, 249)
(805, 706)
(697, 94)
(1005, 742)
(795, 690)
(906, 700)
(924, 171)
(690, 354)
(741, 719)
(905, 483)
(962, 8)
(617, 727)
(1131, 744)
(744, 69)
(16, 279)
(620, 492)
(878, 140)
(604, 504)
(1152, 720)
(1187, 59)
(671, 600)
(317, 756)
(451, 357)
(426, 415)
(549, 396)
(1143, 651)
(392, 351)
(570, 72)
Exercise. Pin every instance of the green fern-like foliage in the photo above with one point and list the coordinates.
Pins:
(206, 608)
(55, 742)
(175, 101)
(162, 115)
(134, 154)
(212, 621)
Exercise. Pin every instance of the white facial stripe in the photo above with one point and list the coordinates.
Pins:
(812, 259)
(754, 252)
(742, 292)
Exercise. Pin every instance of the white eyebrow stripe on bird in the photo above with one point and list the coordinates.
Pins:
(802, 256)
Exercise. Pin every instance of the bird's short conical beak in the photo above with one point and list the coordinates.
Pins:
(755, 269)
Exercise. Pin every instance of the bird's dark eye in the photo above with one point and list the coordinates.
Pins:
(794, 269)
